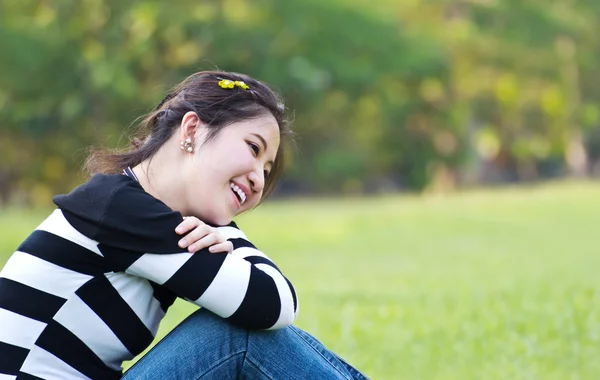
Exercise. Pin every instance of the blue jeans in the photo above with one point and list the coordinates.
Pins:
(205, 346)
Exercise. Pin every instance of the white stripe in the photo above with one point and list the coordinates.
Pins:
(158, 268)
(138, 293)
(231, 233)
(27, 269)
(133, 174)
(18, 330)
(57, 224)
(244, 252)
(228, 289)
(7, 377)
(44, 365)
(127, 171)
(84, 323)
(287, 314)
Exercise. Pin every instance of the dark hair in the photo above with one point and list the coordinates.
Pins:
(217, 107)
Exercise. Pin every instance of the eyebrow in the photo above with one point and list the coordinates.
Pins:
(264, 142)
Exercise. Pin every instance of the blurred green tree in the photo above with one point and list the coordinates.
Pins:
(409, 95)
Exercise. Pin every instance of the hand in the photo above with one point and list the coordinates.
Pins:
(201, 236)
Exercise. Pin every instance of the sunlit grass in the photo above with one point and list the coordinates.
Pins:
(499, 284)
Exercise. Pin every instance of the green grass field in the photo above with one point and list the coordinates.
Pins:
(495, 284)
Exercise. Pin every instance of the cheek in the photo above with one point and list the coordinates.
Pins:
(240, 162)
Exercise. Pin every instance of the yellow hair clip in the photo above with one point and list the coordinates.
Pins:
(226, 83)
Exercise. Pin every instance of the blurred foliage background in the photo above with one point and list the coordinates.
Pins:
(387, 95)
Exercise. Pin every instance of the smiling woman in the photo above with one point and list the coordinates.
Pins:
(199, 111)
(88, 288)
(224, 178)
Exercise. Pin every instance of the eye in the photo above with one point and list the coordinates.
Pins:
(255, 148)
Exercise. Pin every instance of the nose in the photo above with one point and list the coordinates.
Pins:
(257, 180)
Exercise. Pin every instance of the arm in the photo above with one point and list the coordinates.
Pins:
(244, 286)
(136, 234)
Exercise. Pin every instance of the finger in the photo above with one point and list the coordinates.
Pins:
(196, 234)
(189, 223)
(208, 240)
(225, 247)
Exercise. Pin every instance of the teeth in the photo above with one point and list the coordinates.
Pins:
(239, 192)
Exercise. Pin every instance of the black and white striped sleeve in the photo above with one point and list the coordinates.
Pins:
(244, 286)
(136, 234)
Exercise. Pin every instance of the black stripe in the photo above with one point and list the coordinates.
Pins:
(107, 303)
(261, 306)
(11, 358)
(64, 253)
(137, 221)
(119, 259)
(293, 293)
(61, 343)
(29, 302)
(261, 260)
(26, 376)
(163, 295)
(239, 243)
(196, 275)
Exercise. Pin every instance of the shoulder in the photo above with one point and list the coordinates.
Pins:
(85, 205)
(115, 208)
(105, 191)
(129, 196)
(231, 231)
(97, 192)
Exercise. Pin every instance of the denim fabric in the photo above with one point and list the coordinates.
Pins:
(205, 346)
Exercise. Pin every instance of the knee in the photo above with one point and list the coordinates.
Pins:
(203, 327)
(206, 326)
(208, 321)
(263, 338)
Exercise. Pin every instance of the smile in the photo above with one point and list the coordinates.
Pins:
(240, 194)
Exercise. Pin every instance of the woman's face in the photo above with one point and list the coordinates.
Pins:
(226, 176)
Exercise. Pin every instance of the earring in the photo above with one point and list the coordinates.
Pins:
(187, 145)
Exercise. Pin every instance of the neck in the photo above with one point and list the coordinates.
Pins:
(159, 177)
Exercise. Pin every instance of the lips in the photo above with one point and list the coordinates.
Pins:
(240, 194)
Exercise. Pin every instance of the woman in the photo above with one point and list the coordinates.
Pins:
(88, 288)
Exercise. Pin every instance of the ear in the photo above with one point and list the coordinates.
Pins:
(191, 126)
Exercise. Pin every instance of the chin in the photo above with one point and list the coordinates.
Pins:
(213, 218)
(219, 220)
(224, 222)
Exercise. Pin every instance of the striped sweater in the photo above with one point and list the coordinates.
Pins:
(89, 287)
